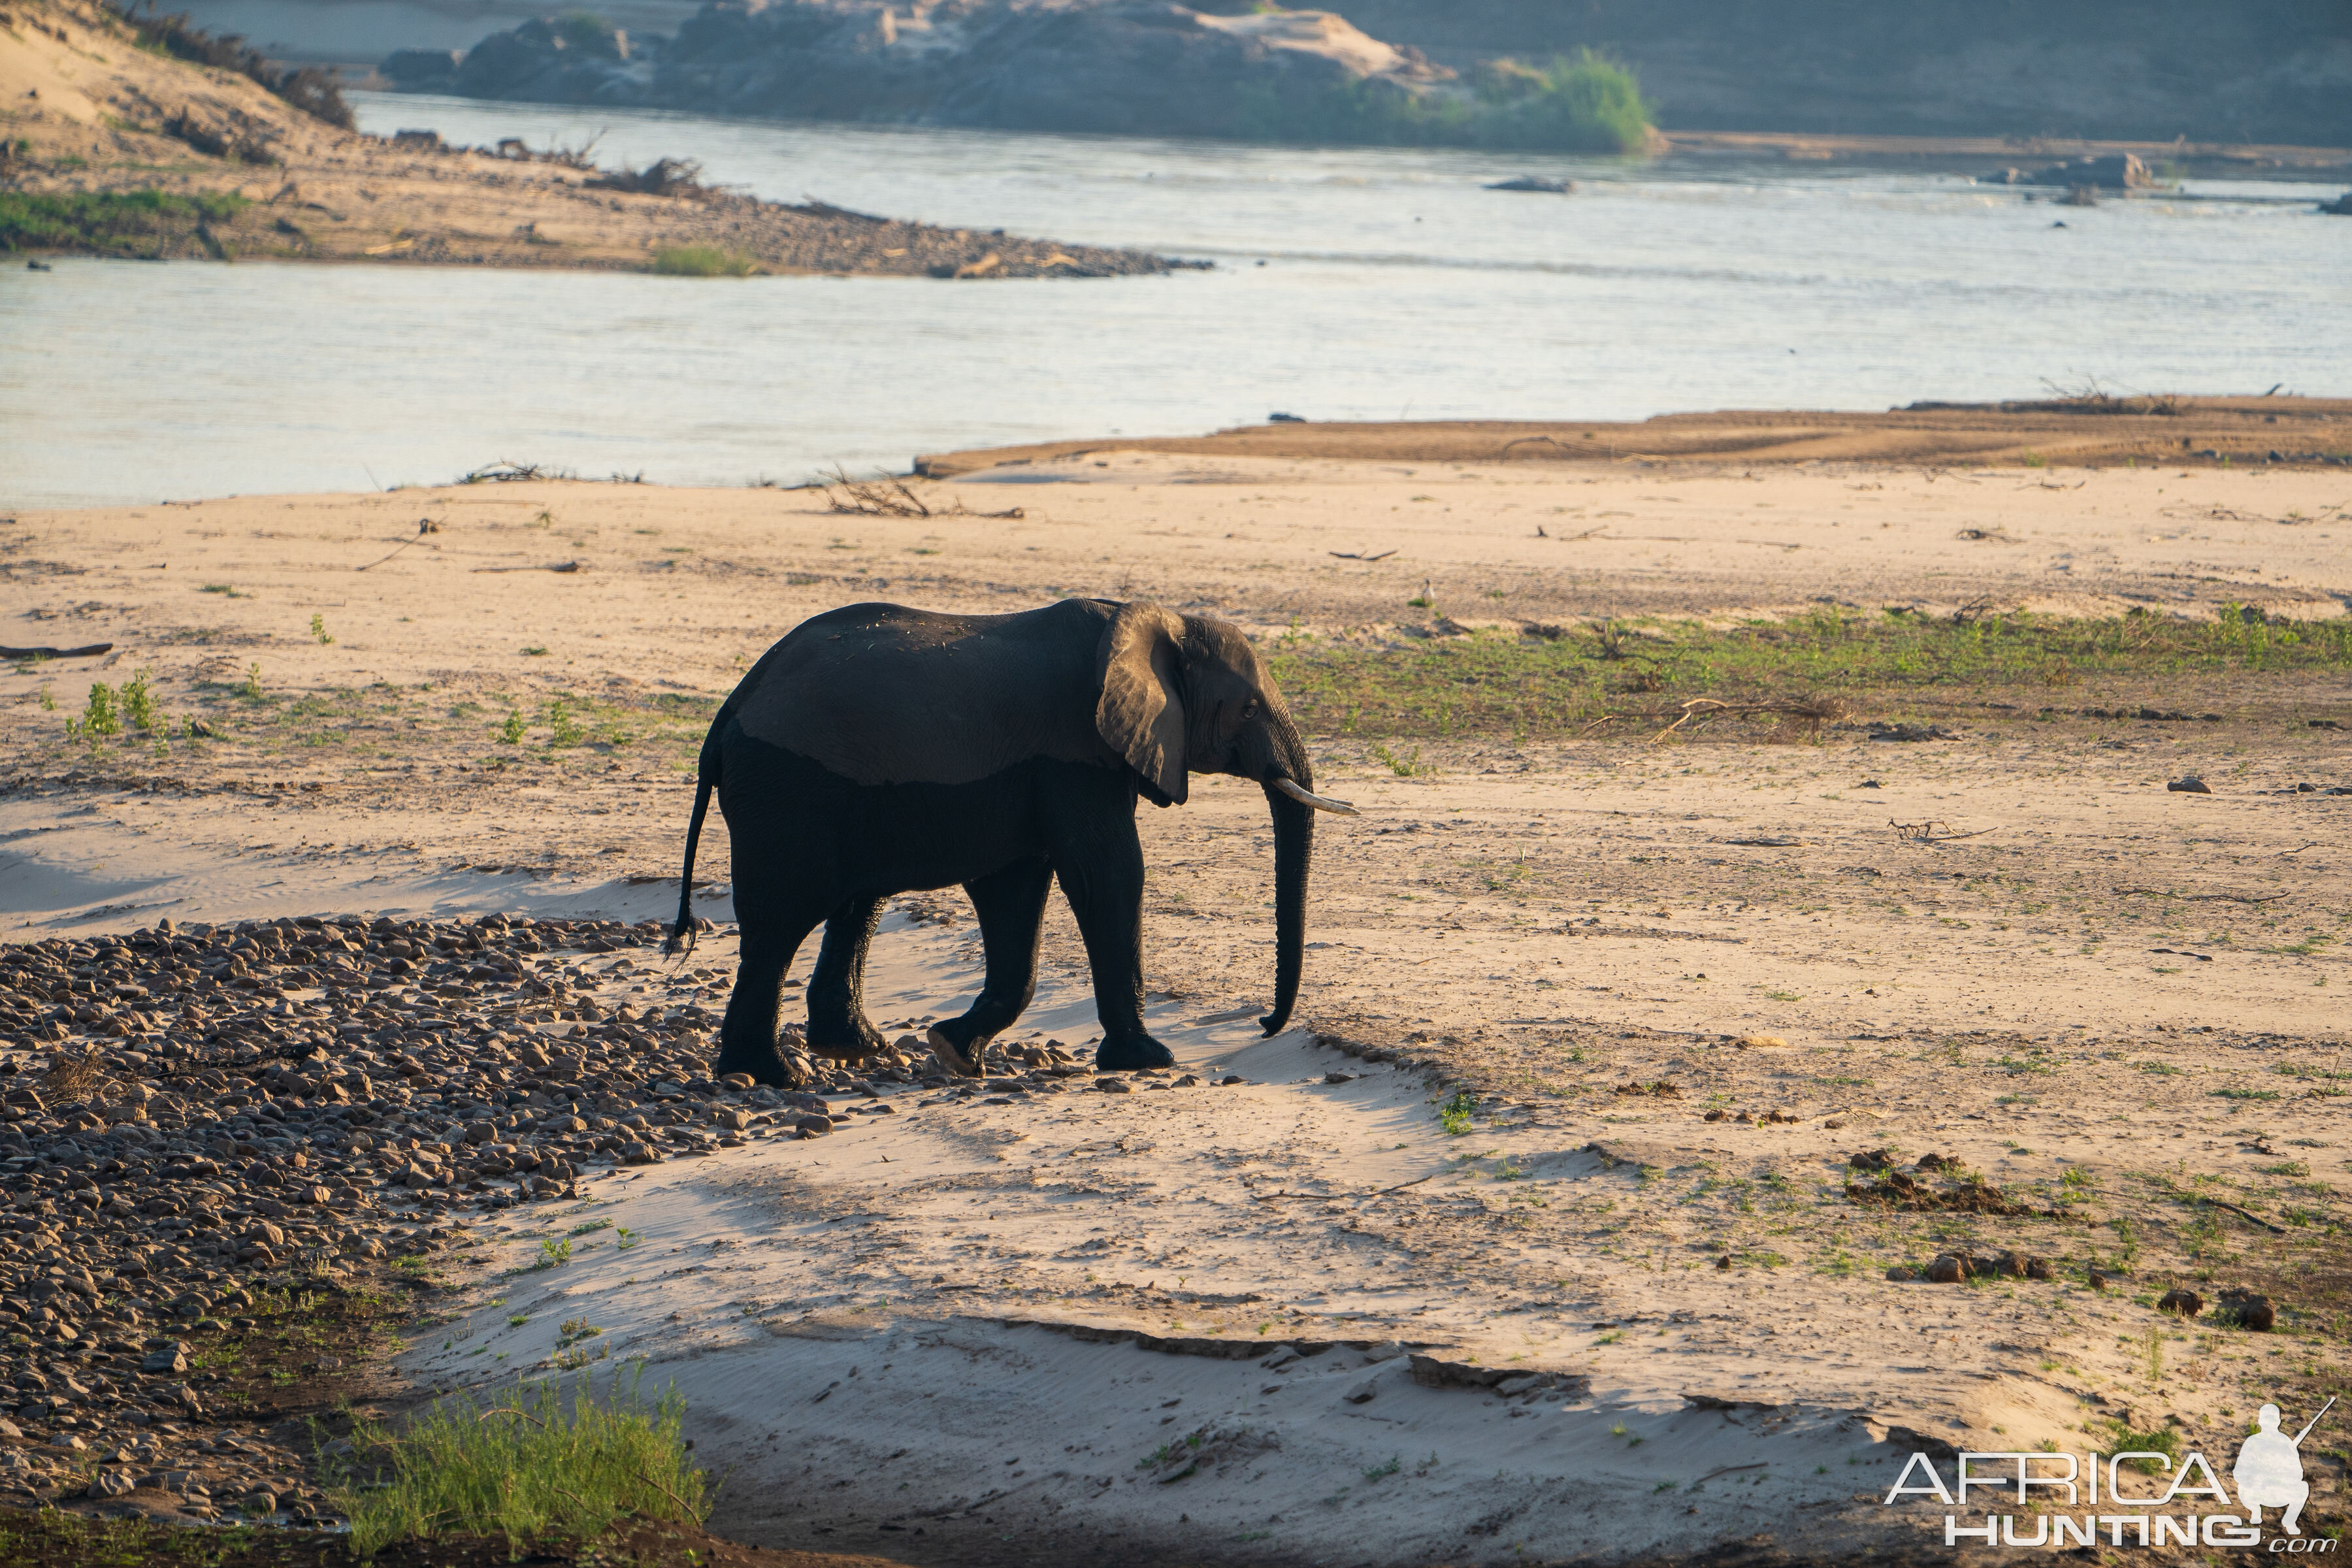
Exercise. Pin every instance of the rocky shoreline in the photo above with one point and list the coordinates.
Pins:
(224, 1144)
(115, 149)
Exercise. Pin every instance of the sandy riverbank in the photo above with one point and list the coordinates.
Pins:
(86, 112)
(2096, 431)
(2108, 998)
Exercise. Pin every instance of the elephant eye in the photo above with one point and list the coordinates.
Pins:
(1250, 711)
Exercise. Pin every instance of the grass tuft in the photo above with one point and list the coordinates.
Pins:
(703, 261)
(524, 1467)
(1496, 683)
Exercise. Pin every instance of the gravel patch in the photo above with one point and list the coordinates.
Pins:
(225, 1149)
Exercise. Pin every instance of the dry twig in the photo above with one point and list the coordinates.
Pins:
(1924, 832)
(425, 525)
(884, 496)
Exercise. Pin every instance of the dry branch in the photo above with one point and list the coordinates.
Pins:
(1924, 832)
(882, 496)
(1814, 710)
(90, 651)
(885, 496)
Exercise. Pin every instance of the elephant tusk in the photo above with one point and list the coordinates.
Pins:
(1319, 802)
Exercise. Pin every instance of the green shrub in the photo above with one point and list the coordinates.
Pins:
(139, 703)
(1585, 104)
(1588, 104)
(703, 261)
(2165, 1440)
(109, 223)
(524, 1467)
(101, 718)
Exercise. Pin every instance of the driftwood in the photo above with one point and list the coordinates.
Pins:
(91, 651)
(504, 472)
(884, 496)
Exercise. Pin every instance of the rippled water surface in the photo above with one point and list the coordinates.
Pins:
(1350, 284)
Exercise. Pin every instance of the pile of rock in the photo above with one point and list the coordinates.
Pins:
(195, 1116)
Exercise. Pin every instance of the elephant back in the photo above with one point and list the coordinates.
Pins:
(882, 694)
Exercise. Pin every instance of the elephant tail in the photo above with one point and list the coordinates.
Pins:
(681, 935)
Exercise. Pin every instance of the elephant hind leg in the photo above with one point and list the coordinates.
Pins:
(1011, 904)
(747, 1035)
(838, 1028)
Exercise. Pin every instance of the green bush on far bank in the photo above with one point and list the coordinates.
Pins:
(703, 261)
(1588, 104)
(110, 223)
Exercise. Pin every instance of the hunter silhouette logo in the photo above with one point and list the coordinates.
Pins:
(2044, 1489)
(2269, 1471)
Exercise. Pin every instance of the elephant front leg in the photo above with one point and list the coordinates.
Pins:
(1011, 905)
(839, 1027)
(1101, 869)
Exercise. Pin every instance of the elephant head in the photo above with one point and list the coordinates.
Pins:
(1181, 694)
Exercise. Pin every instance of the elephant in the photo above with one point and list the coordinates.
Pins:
(878, 750)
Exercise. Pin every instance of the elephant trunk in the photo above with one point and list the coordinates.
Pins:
(1294, 847)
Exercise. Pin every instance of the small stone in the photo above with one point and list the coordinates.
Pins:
(261, 1502)
(1338, 1077)
(812, 1125)
(2192, 784)
(1230, 1080)
(1363, 1392)
(1108, 1085)
(112, 1483)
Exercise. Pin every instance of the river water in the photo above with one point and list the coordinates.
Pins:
(1350, 284)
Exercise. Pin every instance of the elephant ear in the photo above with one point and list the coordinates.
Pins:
(1141, 713)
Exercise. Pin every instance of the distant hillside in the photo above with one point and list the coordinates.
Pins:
(2251, 70)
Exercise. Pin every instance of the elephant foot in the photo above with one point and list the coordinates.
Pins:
(862, 1040)
(1133, 1053)
(960, 1060)
(770, 1064)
